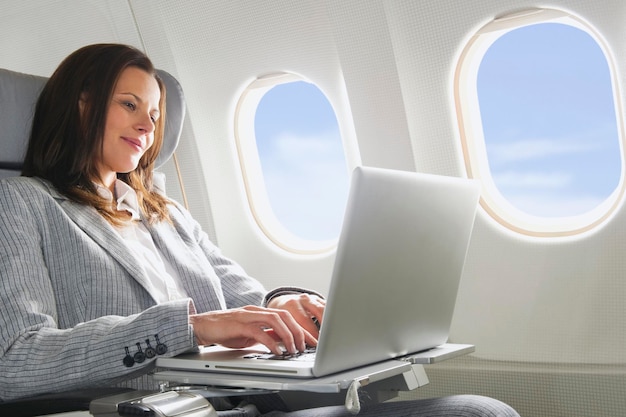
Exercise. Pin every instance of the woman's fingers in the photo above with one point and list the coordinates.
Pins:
(246, 326)
(307, 310)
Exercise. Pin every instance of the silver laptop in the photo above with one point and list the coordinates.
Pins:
(399, 261)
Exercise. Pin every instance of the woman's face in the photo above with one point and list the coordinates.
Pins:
(130, 122)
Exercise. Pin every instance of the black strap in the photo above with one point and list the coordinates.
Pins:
(11, 166)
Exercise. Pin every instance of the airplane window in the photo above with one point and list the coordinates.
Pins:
(294, 163)
(541, 124)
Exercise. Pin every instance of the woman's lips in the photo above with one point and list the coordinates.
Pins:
(134, 142)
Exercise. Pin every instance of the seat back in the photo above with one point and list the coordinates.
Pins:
(18, 96)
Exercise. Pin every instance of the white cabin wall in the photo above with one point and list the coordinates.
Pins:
(36, 35)
(366, 53)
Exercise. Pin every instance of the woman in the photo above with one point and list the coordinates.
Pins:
(100, 273)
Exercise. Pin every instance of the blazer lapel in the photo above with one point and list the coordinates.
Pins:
(103, 234)
(192, 267)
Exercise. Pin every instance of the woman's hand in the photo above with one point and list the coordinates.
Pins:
(304, 308)
(246, 326)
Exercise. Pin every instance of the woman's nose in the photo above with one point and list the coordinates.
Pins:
(146, 124)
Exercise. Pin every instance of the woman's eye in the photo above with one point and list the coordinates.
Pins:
(129, 105)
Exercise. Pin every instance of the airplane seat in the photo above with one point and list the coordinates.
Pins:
(18, 95)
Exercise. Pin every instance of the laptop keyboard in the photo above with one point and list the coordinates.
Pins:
(307, 356)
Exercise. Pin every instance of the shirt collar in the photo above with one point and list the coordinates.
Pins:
(126, 198)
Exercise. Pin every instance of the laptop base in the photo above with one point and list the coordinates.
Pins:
(382, 380)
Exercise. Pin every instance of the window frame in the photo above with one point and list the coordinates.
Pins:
(252, 173)
(472, 137)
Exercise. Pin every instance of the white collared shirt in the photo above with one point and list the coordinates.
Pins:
(163, 283)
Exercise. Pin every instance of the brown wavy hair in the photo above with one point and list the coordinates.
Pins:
(66, 143)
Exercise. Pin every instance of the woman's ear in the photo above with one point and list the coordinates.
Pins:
(82, 101)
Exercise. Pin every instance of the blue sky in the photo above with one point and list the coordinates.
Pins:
(297, 133)
(549, 121)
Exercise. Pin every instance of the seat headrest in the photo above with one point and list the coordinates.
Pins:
(18, 96)
(174, 117)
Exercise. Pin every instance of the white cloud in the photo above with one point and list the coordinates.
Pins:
(543, 194)
(307, 180)
(293, 148)
(554, 205)
(535, 148)
(534, 180)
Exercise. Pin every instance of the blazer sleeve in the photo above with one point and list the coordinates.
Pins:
(37, 354)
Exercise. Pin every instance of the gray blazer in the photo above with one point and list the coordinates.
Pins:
(73, 299)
